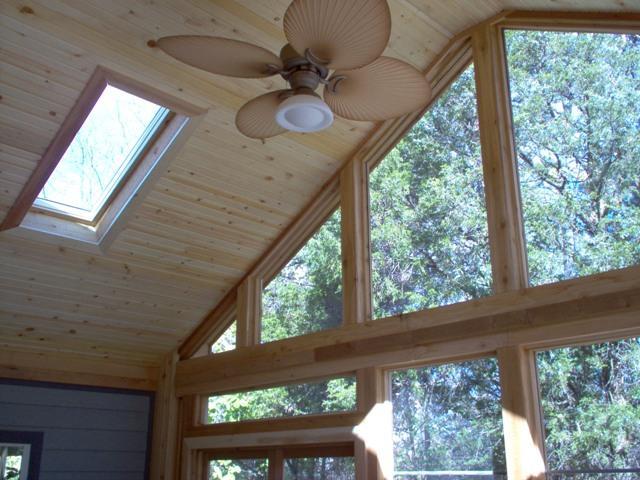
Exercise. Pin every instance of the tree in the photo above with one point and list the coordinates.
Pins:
(576, 106)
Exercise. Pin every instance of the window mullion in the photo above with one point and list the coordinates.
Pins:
(524, 443)
(506, 237)
(356, 284)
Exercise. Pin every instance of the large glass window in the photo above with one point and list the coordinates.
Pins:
(306, 296)
(591, 408)
(576, 112)
(447, 422)
(429, 239)
(336, 395)
(103, 152)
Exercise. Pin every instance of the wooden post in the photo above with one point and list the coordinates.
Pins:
(506, 236)
(374, 435)
(523, 438)
(249, 310)
(165, 423)
(356, 286)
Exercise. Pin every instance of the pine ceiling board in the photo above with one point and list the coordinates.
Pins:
(412, 39)
(218, 186)
(109, 271)
(454, 15)
(38, 319)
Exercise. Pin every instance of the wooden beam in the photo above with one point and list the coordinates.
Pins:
(346, 419)
(604, 22)
(165, 424)
(506, 234)
(76, 370)
(550, 313)
(521, 418)
(249, 312)
(356, 284)
(374, 434)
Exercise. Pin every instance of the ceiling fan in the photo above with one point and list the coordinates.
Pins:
(336, 43)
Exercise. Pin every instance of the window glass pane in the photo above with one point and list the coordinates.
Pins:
(13, 461)
(334, 468)
(335, 395)
(429, 237)
(576, 108)
(239, 469)
(106, 146)
(591, 407)
(448, 419)
(306, 296)
(226, 342)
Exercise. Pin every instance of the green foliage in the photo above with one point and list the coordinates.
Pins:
(306, 296)
(591, 405)
(226, 341)
(576, 106)
(241, 469)
(319, 468)
(429, 238)
(336, 395)
(448, 417)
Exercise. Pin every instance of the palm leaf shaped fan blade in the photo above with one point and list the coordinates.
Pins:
(346, 37)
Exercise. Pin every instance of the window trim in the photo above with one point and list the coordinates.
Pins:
(34, 441)
(30, 221)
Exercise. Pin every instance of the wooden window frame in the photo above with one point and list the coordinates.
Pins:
(29, 220)
(276, 455)
(512, 324)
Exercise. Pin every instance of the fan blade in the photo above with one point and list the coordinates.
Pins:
(223, 56)
(257, 117)
(346, 33)
(384, 89)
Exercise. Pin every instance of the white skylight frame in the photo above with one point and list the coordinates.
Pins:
(33, 222)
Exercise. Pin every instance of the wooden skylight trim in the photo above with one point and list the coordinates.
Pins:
(27, 219)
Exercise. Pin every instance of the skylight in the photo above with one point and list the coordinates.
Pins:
(101, 155)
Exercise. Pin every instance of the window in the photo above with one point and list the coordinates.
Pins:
(104, 151)
(306, 296)
(334, 468)
(337, 395)
(447, 421)
(226, 341)
(591, 408)
(299, 462)
(14, 461)
(429, 239)
(20, 454)
(576, 117)
(245, 468)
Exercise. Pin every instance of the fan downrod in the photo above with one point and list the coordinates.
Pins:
(303, 73)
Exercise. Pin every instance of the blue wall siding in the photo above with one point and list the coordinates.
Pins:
(88, 434)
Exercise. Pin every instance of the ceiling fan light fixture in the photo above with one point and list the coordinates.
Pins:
(304, 113)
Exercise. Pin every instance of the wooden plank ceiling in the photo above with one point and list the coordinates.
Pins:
(215, 210)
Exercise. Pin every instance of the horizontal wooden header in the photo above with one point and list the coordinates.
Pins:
(545, 315)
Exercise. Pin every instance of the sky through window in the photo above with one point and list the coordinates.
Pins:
(104, 150)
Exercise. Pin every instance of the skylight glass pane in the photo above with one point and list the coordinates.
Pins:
(105, 148)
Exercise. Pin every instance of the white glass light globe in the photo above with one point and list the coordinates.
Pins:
(304, 113)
